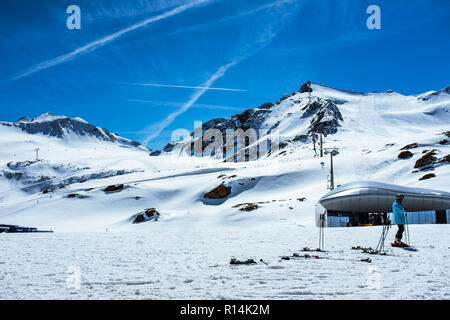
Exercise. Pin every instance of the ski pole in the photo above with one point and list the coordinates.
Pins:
(407, 228)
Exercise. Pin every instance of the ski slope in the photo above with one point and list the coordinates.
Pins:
(65, 189)
(192, 262)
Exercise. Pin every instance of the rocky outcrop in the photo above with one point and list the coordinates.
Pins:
(60, 126)
(146, 215)
(114, 188)
(219, 192)
(446, 90)
(306, 87)
(246, 206)
(139, 219)
(410, 146)
(426, 160)
(76, 196)
(323, 115)
(427, 176)
(405, 155)
(445, 159)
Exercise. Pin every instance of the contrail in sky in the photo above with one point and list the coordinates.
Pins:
(102, 41)
(167, 121)
(246, 51)
(176, 86)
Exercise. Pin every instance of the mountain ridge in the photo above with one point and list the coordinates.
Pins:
(62, 126)
(315, 109)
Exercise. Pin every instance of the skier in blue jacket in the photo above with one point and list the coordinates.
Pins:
(399, 220)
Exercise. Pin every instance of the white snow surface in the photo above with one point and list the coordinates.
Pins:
(185, 253)
(192, 262)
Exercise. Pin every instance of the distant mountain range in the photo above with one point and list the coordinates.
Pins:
(64, 127)
(318, 109)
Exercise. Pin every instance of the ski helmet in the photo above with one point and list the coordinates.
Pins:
(399, 197)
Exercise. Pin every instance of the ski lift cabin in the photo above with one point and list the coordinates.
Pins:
(370, 203)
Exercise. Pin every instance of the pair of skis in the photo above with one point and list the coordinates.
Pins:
(307, 256)
(407, 238)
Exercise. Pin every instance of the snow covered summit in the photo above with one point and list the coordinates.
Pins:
(339, 114)
(67, 128)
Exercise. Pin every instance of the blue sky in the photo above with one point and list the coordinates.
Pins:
(261, 48)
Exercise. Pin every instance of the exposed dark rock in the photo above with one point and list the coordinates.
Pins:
(20, 164)
(284, 97)
(410, 146)
(113, 188)
(301, 199)
(139, 218)
(302, 138)
(428, 176)
(426, 160)
(436, 93)
(444, 142)
(445, 159)
(76, 195)
(325, 116)
(218, 192)
(11, 175)
(155, 153)
(151, 212)
(266, 105)
(447, 133)
(147, 215)
(246, 206)
(248, 261)
(405, 155)
(306, 87)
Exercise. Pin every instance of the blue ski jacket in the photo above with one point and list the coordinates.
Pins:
(399, 213)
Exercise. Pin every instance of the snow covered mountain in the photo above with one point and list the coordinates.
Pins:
(318, 109)
(49, 152)
(66, 128)
(86, 178)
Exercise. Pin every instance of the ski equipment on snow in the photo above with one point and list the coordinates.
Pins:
(322, 232)
(408, 240)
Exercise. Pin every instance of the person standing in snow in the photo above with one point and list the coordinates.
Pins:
(399, 220)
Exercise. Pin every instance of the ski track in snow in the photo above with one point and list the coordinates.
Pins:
(189, 263)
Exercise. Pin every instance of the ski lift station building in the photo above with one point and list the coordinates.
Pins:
(354, 204)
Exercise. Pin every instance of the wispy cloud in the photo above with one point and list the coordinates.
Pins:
(250, 44)
(175, 86)
(264, 7)
(102, 41)
(156, 129)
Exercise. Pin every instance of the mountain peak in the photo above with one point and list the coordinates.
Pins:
(62, 127)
